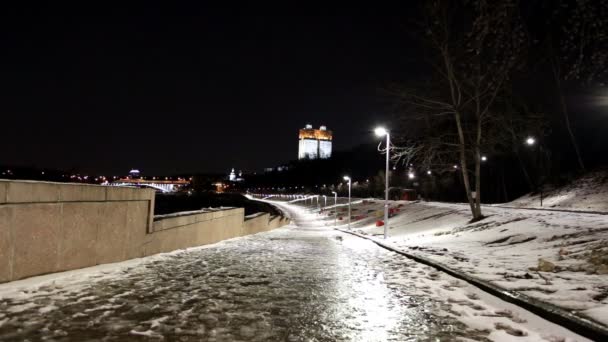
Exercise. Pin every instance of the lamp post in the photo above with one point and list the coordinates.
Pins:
(335, 208)
(347, 178)
(542, 164)
(325, 198)
(381, 131)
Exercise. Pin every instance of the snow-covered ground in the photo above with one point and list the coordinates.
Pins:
(589, 193)
(291, 284)
(303, 282)
(557, 257)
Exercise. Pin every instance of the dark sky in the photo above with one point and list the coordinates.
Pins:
(172, 90)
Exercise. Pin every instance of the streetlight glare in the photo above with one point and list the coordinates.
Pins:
(411, 175)
(380, 131)
(346, 178)
(484, 158)
(530, 141)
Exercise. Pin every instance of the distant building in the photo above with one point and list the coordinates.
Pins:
(314, 143)
(233, 177)
(134, 173)
(279, 168)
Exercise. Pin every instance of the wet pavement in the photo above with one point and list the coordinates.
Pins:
(292, 284)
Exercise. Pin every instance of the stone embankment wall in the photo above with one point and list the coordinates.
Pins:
(50, 227)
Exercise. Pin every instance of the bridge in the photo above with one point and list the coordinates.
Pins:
(164, 186)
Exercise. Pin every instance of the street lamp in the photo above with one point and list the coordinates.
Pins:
(325, 198)
(347, 178)
(335, 207)
(530, 141)
(542, 168)
(381, 131)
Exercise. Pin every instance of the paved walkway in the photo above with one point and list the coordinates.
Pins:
(292, 284)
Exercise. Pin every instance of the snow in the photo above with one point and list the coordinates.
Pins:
(147, 333)
(358, 284)
(20, 308)
(589, 192)
(504, 248)
(477, 309)
(75, 280)
(47, 309)
(598, 313)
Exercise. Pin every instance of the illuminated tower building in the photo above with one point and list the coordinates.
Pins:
(314, 143)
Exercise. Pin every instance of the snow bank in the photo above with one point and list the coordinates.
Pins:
(589, 192)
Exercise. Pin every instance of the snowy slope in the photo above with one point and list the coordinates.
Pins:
(589, 192)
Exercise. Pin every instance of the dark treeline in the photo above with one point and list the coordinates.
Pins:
(502, 177)
(508, 94)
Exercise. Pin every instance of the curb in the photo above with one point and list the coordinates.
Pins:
(550, 312)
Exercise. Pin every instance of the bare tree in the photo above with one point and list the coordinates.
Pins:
(475, 47)
(576, 44)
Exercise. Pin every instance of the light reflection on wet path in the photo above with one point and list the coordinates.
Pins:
(287, 285)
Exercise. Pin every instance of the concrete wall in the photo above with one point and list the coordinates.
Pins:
(195, 229)
(256, 223)
(49, 227)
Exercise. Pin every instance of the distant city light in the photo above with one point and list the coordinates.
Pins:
(411, 175)
(428, 172)
(455, 166)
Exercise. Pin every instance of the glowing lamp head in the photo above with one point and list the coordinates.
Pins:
(346, 178)
(429, 172)
(530, 141)
(411, 175)
(484, 158)
(380, 131)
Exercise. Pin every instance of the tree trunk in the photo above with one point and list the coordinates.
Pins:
(564, 110)
(504, 186)
(477, 198)
(524, 170)
(465, 172)
(477, 215)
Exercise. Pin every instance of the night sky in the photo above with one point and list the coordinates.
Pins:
(179, 90)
